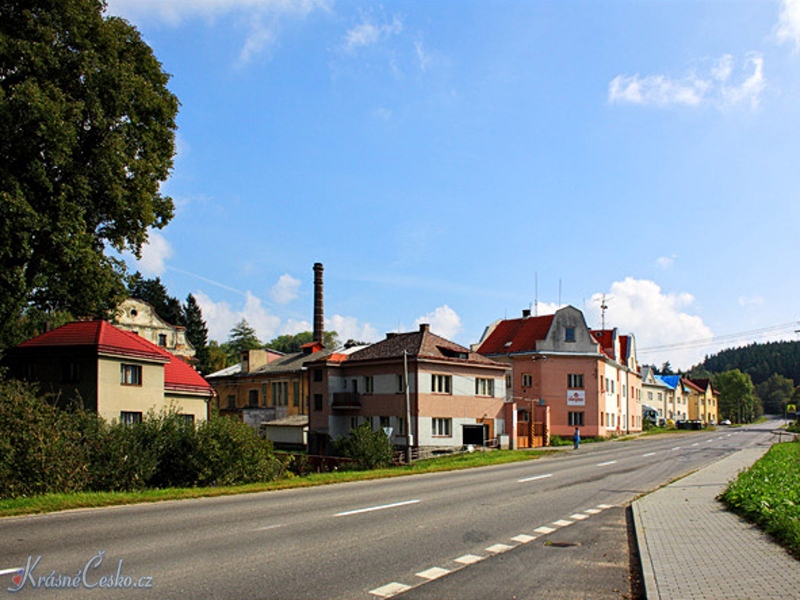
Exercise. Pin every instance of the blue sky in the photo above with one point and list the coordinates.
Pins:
(450, 162)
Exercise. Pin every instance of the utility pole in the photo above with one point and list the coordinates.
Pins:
(409, 437)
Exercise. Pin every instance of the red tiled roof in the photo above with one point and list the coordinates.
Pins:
(516, 335)
(107, 339)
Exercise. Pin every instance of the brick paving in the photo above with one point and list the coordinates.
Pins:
(692, 548)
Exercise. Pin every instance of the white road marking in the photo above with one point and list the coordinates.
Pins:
(695, 444)
(593, 511)
(534, 478)
(709, 441)
(469, 559)
(605, 464)
(604, 506)
(677, 448)
(433, 573)
(561, 523)
(578, 517)
(498, 548)
(268, 527)
(390, 589)
(359, 511)
(649, 454)
(544, 530)
(523, 538)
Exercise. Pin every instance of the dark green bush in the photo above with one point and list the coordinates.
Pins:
(369, 449)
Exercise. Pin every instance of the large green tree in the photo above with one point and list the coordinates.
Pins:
(775, 393)
(242, 337)
(197, 332)
(292, 343)
(87, 128)
(737, 400)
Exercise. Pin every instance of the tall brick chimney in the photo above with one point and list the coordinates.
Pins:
(319, 312)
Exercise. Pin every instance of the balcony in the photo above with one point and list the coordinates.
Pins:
(346, 401)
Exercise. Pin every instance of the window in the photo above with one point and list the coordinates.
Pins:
(401, 383)
(527, 380)
(523, 416)
(187, 419)
(231, 401)
(484, 387)
(129, 418)
(317, 402)
(162, 340)
(296, 393)
(383, 422)
(369, 384)
(509, 382)
(280, 393)
(401, 426)
(263, 394)
(575, 381)
(650, 396)
(442, 384)
(70, 372)
(130, 374)
(575, 419)
(442, 427)
(569, 334)
(353, 423)
(252, 398)
(317, 375)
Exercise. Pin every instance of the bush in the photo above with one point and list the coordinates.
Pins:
(369, 449)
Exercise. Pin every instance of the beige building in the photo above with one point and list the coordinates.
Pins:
(140, 318)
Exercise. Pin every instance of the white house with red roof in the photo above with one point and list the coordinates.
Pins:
(588, 379)
(113, 372)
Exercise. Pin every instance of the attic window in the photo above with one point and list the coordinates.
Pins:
(452, 353)
(569, 334)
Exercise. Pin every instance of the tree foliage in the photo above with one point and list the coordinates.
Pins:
(292, 343)
(370, 449)
(775, 393)
(737, 400)
(86, 137)
(760, 361)
(242, 337)
(155, 294)
(197, 332)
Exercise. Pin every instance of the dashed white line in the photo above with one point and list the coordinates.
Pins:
(499, 548)
(523, 538)
(469, 559)
(649, 454)
(695, 444)
(433, 573)
(578, 517)
(267, 528)
(390, 589)
(534, 478)
(605, 464)
(561, 523)
(359, 511)
(593, 511)
(676, 448)
(604, 506)
(544, 530)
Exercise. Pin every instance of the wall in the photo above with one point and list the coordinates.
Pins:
(113, 397)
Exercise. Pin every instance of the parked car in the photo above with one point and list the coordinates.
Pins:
(725, 422)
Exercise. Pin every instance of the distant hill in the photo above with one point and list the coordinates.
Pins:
(761, 361)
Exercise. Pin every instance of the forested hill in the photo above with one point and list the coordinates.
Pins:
(761, 361)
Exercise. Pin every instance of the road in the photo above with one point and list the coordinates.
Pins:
(427, 534)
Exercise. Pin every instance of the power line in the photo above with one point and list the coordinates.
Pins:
(722, 339)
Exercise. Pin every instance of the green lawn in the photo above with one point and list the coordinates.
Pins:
(56, 502)
(768, 494)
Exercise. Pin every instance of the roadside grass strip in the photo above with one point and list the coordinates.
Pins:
(433, 573)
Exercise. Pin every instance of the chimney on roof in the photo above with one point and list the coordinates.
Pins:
(319, 313)
(423, 327)
(526, 312)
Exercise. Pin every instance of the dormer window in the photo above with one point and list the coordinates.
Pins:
(569, 334)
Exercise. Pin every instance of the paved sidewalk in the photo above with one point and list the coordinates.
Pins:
(692, 548)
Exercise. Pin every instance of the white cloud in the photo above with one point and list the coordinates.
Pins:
(718, 88)
(745, 301)
(261, 17)
(639, 307)
(154, 254)
(788, 29)
(444, 321)
(368, 33)
(666, 262)
(220, 317)
(423, 58)
(285, 290)
(348, 328)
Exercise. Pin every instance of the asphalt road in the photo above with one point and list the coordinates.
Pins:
(459, 534)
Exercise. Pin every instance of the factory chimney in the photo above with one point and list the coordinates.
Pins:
(319, 312)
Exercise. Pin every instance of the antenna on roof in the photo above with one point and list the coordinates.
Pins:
(603, 308)
(536, 294)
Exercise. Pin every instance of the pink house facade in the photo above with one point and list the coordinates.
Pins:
(588, 379)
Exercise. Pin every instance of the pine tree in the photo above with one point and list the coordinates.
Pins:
(196, 332)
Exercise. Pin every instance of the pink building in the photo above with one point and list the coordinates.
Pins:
(588, 379)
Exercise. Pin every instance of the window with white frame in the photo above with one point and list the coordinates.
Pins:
(484, 387)
(442, 384)
(130, 374)
(527, 380)
(575, 380)
(441, 427)
(129, 417)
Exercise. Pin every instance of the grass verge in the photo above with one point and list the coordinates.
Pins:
(768, 494)
(56, 502)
